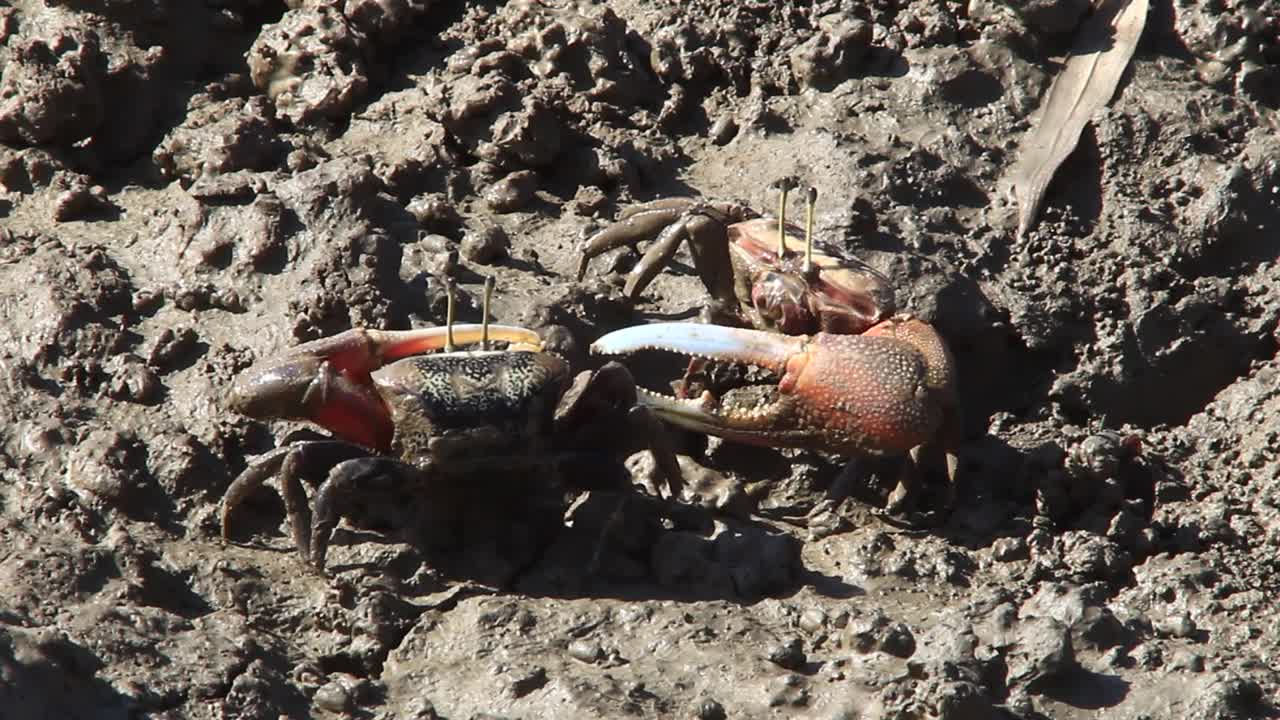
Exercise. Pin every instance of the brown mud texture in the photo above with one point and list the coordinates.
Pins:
(189, 188)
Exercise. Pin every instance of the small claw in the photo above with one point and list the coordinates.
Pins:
(713, 342)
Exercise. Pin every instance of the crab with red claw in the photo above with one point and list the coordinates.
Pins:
(889, 391)
(401, 415)
(758, 271)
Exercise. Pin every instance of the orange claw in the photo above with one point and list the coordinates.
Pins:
(889, 391)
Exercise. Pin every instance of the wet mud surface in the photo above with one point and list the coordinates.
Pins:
(184, 192)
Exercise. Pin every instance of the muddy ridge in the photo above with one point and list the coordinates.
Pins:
(186, 190)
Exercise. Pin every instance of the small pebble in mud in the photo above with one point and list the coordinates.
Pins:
(171, 347)
(879, 633)
(96, 467)
(133, 381)
(205, 297)
(790, 689)
(79, 202)
(301, 160)
(813, 620)
(1230, 696)
(588, 200)
(1187, 660)
(146, 302)
(1097, 456)
(423, 709)
(333, 697)
(433, 210)
(826, 522)
(40, 440)
(1259, 82)
(1147, 656)
(1117, 657)
(1180, 626)
(898, 641)
(486, 245)
(833, 54)
(511, 192)
(1043, 649)
(1054, 16)
(587, 651)
(434, 254)
(528, 681)
(789, 654)
(710, 709)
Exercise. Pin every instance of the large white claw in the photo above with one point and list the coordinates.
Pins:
(713, 342)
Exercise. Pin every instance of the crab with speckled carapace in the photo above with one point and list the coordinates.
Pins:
(401, 415)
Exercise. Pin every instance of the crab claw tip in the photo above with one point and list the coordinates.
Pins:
(713, 342)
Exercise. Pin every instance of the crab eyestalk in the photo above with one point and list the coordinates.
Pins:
(808, 231)
(786, 185)
(484, 320)
(448, 316)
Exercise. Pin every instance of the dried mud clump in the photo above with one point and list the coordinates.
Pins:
(51, 80)
(314, 63)
(188, 190)
(69, 322)
(311, 64)
(219, 136)
(517, 104)
(833, 55)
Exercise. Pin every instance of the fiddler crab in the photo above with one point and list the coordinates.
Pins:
(757, 274)
(847, 375)
(404, 415)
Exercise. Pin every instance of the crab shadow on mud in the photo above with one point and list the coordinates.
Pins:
(590, 532)
(496, 442)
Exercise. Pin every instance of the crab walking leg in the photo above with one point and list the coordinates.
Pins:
(614, 385)
(290, 463)
(640, 225)
(710, 253)
(645, 422)
(671, 203)
(656, 257)
(348, 480)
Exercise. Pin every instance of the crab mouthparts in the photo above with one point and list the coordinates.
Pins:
(752, 414)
